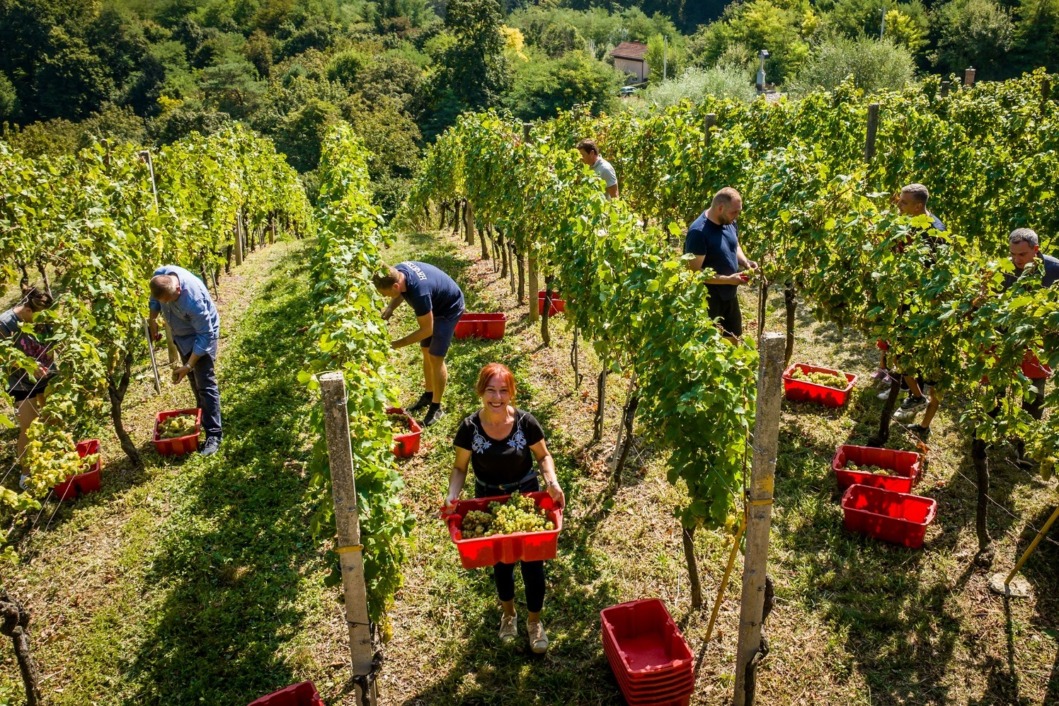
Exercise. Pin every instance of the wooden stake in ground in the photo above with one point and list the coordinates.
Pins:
(347, 530)
(759, 510)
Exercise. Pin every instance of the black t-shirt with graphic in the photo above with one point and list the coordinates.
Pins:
(500, 461)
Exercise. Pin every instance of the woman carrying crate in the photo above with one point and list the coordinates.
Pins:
(500, 441)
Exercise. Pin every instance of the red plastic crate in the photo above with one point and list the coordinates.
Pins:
(405, 444)
(906, 464)
(182, 444)
(646, 640)
(505, 548)
(303, 694)
(892, 517)
(489, 326)
(558, 305)
(679, 685)
(804, 391)
(83, 483)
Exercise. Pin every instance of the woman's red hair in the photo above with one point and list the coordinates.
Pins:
(491, 370)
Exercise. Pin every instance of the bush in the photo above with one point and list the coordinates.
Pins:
(975, 33)
(544, 87)
(694, 84)
(874, 65)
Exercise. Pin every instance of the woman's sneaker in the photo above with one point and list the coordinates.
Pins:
(508, 628)
(538, 639)
(910, 407)
(921, 431)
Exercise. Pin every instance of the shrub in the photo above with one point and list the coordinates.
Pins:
(720, 81)
(874, 65)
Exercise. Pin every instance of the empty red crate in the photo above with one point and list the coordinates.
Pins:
(505, 548)
(805, 391)
(406, 443)
(558, 305)
(681, 683)
(84, 483)
(645, 639)
(883, 514)
(304, 694)
(182, 444)
(481, 326)
(906, 464)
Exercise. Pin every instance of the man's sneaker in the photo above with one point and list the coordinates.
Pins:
(921, 431)
(538, 639)
(508, 628)
(422, 402)
(212, 446)
(433, 415)
(909, 408)
(22, 481)
(885, 394)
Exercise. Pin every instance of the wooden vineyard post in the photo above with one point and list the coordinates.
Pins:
(759, 513)
(873, 129)
(468, 215)
(968, 77)
(347, 530)
(945, 86)
(531, 265)
(238, 233)
(711, 120)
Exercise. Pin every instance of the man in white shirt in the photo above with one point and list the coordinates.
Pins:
(590, 156)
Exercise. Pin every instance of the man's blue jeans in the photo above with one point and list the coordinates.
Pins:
(203, 381)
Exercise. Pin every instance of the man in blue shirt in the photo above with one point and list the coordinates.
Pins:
(713, 241)
(195, 326)
(438, 305)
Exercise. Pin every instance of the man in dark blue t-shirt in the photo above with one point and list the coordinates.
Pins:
(438, 304)
(713, 241)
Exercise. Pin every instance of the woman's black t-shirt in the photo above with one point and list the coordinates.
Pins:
(500, 461)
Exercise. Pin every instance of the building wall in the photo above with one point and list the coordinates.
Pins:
(629, 66)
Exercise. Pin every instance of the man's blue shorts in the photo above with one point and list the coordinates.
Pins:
(438, 343)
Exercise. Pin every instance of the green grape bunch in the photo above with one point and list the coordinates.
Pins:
(818, 378)
(519, 514)
(868, 468)
(178, 426)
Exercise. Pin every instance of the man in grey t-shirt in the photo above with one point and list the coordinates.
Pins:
(590, 156)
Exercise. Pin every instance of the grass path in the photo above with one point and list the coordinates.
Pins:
(193, 581)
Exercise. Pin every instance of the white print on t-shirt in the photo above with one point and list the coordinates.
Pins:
(480, 443)
(419, 273)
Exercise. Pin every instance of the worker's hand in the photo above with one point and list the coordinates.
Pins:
(737, 279)
(180, 373)
(152, 325)
(557, 495)
(449, 506)
(386, 314)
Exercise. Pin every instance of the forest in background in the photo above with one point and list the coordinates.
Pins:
(401, 71)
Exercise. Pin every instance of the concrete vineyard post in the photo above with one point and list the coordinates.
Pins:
(759, 508)
(347, 526)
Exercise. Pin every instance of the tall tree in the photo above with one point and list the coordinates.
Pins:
(475, 67)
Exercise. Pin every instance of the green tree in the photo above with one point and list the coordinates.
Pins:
(8, 99)
(475, 68)
(346, 67)
(976, 33)
(1037, 34)
(873, 65)
(258, 51)
(544, 87)
(302, 133)
(664, 57)
(232, 88)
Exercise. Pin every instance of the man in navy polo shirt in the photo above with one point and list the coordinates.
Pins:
(713, 241)
(438, 304)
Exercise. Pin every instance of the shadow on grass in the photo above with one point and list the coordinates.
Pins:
(234, 556)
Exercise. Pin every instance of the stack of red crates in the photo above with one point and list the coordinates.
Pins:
(303, 694)
(649, 656)
(881, 505)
